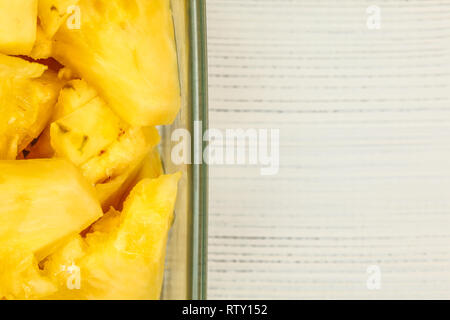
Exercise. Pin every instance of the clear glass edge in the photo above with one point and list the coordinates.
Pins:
(199, 104)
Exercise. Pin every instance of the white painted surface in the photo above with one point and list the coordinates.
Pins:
(365, 149)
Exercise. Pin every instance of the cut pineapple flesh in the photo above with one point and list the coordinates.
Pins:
(78, 139)
(95, 139)
(110, 193)
(152, 167)
(126, 49)
(129, 149)
(43, 202)
(53, 13)
(123, 256)
(42, 48)
(85, 132)
(20, 276)
(16, 68)
(27, 96)
(113, 192)
(90, 135)
(18, 20)
(74, 95)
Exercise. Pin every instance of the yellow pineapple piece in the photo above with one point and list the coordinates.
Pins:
(85, 132)
(115, 151)
(112, 192)
(61, 268)
(20, 276)
(18, 20)
(53, 13)
(74, 95)
(28, 96)
(152, 166)
(43, 202)
(12, 67)
(107, 225)
(42, 48)
(126, 50)
(67, 74)
(115, 170)
(96, 140)
(127, 152)
(123, 256)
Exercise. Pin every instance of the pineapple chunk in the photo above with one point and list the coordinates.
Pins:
(42, 48)
(152, 167)
(74, 95)
(20, 276)
(123, 256)
(128, 151)
(27, 100)
(43, 202)
(111, 193)
(61, 268)
(84, 133)
(114, 171)
(16, 68)
(90, 135)
(95, 139)
(53, 13)
(67, 74)
(18, 19)
(126, 50)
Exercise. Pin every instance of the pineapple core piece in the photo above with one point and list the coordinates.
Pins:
(43, 202)
(18, 20)
(123, 255)
(27, 96)
(126, 50)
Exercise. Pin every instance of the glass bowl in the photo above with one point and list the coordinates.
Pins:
(186, 259)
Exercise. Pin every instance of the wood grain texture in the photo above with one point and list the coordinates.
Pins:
(364, 119)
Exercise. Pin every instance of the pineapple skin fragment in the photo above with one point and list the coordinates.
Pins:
(43, 203)
(126, 50)
(123, 256)
(18, 20)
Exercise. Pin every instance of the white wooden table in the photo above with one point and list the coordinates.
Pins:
(364, 119)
